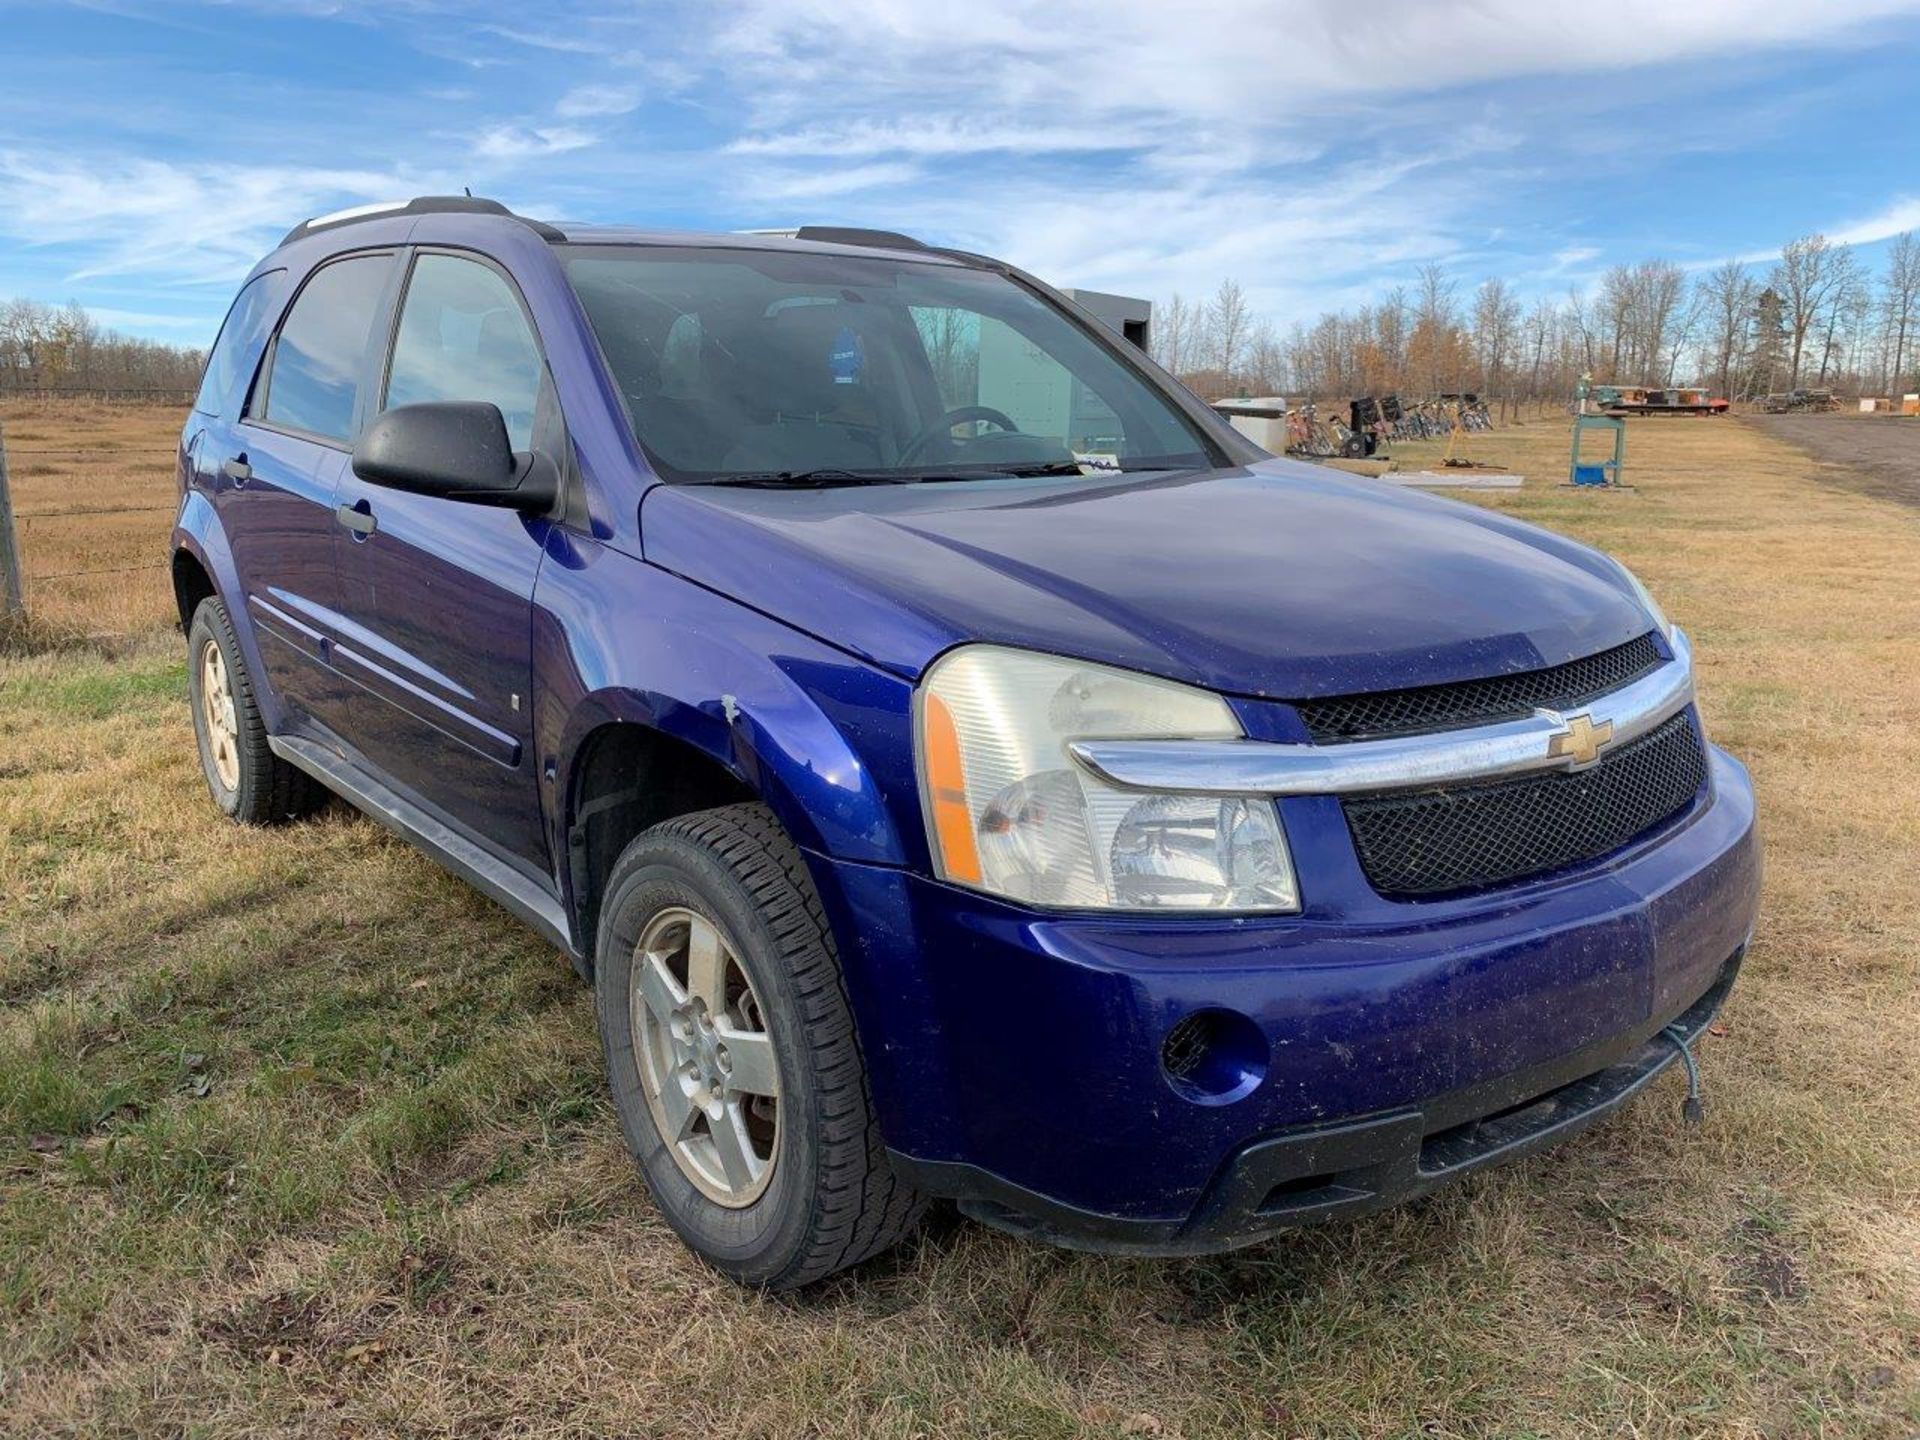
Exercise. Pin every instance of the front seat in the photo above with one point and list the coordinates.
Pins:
(805, 376)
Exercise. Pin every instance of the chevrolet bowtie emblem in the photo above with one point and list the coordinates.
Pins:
(1580, 741)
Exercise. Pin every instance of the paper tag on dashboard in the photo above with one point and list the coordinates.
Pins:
(1098, 462)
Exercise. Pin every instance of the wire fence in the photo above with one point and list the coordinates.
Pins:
(83, 527)
(98, 394)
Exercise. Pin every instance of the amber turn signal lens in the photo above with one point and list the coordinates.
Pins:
(947, 794)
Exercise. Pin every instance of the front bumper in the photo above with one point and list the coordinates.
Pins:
(1334, 1171)
(1016, 1058)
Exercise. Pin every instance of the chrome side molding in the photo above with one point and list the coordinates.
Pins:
(1545, 740)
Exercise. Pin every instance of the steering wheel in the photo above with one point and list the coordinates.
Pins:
(952, 418)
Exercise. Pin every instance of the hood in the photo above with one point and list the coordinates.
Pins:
(1278, 580)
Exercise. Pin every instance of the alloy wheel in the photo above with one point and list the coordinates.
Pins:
(705, 1057)
(221, 717)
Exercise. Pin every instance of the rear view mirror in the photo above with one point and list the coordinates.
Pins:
(457, 450)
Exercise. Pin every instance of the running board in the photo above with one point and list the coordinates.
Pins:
(449, 848)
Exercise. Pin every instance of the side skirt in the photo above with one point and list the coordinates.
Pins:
(524, 897)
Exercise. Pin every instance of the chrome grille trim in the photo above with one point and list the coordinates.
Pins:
(1411, 762)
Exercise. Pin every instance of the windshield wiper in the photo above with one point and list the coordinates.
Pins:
(1010, 472)
(831, 476)
(806, 479)
(1055, 467)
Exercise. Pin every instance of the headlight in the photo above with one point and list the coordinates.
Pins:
(1008, 811)
(1646, 598)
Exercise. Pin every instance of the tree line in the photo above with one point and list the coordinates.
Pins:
(48, 347)
(1817, 317)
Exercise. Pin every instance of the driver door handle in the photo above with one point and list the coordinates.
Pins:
(237, 470)
(357, 517)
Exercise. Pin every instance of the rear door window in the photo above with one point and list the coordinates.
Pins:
(320, 355)
(463, 336)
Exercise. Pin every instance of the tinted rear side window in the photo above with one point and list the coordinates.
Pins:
(239, 342)
(318, 359)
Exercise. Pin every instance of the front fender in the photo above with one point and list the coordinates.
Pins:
(824, 739)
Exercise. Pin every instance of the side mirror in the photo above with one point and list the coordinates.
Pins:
(457, 450)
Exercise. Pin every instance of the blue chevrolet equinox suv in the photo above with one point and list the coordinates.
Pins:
(964, 766)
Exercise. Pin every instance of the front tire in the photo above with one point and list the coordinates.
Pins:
(732, 1058)
(247, 780)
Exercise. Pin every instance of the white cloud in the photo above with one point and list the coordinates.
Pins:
(1902, 215)
(546, 40)
(585, 102)
(1240, 61)
(1309, 147)
(183, 223)
(1304, 148)
(521, 142)
(951, 135)
(197, 327)
(824, 184)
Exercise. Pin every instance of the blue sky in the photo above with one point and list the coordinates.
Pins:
(1317, 151)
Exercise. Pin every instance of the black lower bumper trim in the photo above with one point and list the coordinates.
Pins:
(1347, 1168)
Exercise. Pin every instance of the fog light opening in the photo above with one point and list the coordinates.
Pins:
(1214, 1057)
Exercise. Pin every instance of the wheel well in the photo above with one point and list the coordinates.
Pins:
(191, 585)
(628, 779)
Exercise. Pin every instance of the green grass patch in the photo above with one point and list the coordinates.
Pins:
(95, 692)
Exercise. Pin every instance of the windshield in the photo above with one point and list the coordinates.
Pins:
(786, 366)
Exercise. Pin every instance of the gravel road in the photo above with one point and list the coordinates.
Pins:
(1881, 451)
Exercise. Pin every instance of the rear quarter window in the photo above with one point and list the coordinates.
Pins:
(242, 337)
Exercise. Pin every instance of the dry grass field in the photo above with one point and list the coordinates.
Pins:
(93, 492)
(298, 1135)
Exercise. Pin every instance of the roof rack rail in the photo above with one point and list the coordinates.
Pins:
(419, 205)
(852, 235)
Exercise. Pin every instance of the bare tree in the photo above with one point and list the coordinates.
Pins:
(1659, 293)
(1390, 337)
(1265, 364)
(1431, 346)
(1840, 303)
(1900, 309)
(1614, 315)
(1809, 272)
(953, 350)
(45, 347)
(1230, 323)
(1822, 316)
(1174, 327)
(1496, 322)
(1726, 297)
(1541, 325)
(1580, 319)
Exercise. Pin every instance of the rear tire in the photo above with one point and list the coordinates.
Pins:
(815, 1192)
(247, 780)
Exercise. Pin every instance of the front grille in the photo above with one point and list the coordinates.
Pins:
(1462, 837)
(1478, 702)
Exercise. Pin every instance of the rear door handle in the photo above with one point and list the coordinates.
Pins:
(237, 470)
(357, 517)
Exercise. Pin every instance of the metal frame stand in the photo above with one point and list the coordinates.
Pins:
(1613, 468)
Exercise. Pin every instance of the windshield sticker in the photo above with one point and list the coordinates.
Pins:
(846, 358)
(1097, 462)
